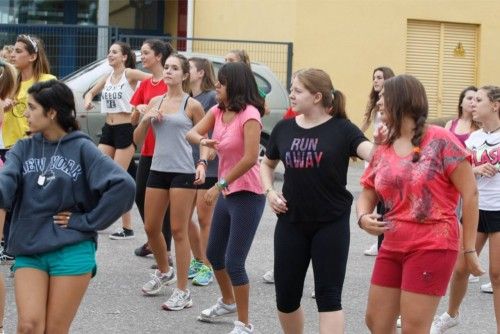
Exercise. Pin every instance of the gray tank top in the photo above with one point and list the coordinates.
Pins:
(173, 153)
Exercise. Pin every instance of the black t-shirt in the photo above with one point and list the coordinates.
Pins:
(316, 162)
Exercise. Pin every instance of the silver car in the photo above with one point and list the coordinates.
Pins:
(92, 121)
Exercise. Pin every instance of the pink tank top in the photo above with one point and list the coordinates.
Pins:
(461, 137)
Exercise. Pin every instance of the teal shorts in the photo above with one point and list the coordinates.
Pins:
(72, 260)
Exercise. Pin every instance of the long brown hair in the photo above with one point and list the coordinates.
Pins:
(404, 96)
(371, 106)
(205, 65)
(473, 125)
(185, 70)
(7, 79)
(318, 81)
(34, 45)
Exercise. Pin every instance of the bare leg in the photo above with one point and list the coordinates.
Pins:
(242, 296)
(292, 323)
(225, 286)
(205, 213)
(155, 204)
(65, 296)
(180, 214)
(417, 312)
(383, 309)
(194, 235)
(494, 239)
(31, 289)
(123, 157)
(460, 278)
(331, 322)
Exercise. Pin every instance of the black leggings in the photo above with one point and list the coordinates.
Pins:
(295, 244)
(141, 179)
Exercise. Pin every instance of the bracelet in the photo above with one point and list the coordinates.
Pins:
(222, 184)
(361, 217)
(469, 251)
(202, 161)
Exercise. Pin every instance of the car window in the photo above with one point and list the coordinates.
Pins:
(262, 83)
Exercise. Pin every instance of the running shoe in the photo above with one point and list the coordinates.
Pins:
(194, 267)
(204, 277)
(178, 300)
(268, 277)
(240, 328)
(158, 281)
(5, 258)
(372, 251)
(444, 322)
(217, 311)
(122, 234)
(487, 288)
(143, 250)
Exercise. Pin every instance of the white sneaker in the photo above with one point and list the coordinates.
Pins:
(398, 322)
(178, 300)
(372, 251)
(217, 311)
(444, 322)
(240, 328)
(158, 281)
(313, 294)
(487, 288)
(268, 277)
(473, 279)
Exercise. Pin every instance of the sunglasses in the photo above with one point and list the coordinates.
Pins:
(31, 40)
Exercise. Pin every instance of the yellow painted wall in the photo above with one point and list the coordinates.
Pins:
(121, 14)
(348, 38)
(170, 23)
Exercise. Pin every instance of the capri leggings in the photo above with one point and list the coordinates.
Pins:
(295, 244)
(140, 183)
(234, 223)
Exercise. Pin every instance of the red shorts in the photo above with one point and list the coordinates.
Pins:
(422, 271)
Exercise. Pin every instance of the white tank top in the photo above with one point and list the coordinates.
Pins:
(116, 98)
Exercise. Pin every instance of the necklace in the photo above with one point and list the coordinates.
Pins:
(490, 132)
(42, 178)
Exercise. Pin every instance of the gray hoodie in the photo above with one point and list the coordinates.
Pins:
(78, 178)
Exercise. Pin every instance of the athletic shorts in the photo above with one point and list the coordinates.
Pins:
(425, 272)
(209, 183)
(166, 180)
(118, 136)
(71, 260)
(489, 221)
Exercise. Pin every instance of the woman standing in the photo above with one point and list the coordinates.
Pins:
(154, 53)
(117, 90)
(202, 84)
(33, 66)
(172, 179)
(236, 125)
(372, 114)
(484, 144)
(418, 167)
(60, 190)
(313, 210)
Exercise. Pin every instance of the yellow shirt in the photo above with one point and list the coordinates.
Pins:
(14, 128)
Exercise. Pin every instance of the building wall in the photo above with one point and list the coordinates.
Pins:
(348, 38)
(121, 14)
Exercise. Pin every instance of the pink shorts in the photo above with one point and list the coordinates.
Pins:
(422, 271)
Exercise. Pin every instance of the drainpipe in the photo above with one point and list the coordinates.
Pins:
(102, 28)
(189, 29)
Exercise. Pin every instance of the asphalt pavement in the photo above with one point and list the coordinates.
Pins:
(114, 302)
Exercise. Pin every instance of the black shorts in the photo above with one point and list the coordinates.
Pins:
(209, 183)
(166, 180)
(489, 221)
(118, 136)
